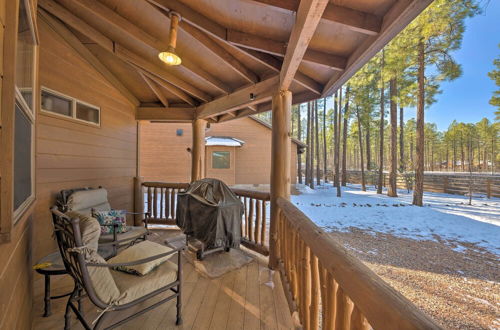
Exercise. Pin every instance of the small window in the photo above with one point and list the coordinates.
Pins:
(221, 159)
(67, 106)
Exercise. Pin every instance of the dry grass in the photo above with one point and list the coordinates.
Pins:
(459, 288)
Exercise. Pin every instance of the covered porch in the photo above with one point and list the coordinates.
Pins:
(91, 71)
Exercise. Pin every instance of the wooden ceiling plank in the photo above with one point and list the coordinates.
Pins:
(131, 30)
(171, 88)
(279, 48)
(306, 21)
(262, 91)
(84, 28)
(196, 30)
(76, 44)
(165, 114)
(398, 17)
(275, 64)
(155, 88)
(353, 19)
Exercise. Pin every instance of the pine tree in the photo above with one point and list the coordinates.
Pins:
(495, 76)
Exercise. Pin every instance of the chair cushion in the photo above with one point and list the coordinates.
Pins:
(138, 251)
(133, 287)
(89, 229)
(132, 233)
(107, 218)
(102, 280)
(84, 201)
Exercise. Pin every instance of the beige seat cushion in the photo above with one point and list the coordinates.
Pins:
(133, 287)
(139, 251)
(84, 201)
(132, 233)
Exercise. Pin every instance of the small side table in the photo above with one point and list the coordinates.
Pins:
(56, 267)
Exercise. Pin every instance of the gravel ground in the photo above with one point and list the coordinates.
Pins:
(456, 283)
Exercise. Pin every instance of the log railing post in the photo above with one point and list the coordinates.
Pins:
(198, 150)
(138, 201)
(280, 164)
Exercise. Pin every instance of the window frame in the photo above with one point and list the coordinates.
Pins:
(74, 101)
(229, 160)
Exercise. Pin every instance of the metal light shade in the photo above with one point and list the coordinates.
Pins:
(170, 57)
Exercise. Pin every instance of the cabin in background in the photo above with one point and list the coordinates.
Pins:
(243, 148)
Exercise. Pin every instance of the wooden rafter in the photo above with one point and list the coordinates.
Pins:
(125, 54)
(76, 44)
(155, 88)
(400, 15)
(306, 21)
(165, 114)
(131, 30)
(261, 91)
(353, 19)
(279, 48)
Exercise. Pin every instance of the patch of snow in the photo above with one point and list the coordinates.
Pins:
(479, 300)
(444, 216)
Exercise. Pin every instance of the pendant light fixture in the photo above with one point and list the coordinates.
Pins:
(169, 56)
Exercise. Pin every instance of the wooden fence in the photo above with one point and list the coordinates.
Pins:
(458, 184)
(331, 289)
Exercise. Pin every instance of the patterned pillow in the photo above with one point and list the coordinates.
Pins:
(107, 218)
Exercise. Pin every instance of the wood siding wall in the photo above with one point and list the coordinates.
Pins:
(71, 154)
(164, 156)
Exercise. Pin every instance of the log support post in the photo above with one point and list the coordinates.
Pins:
(280, 164)
(198, 150)
(138, 201)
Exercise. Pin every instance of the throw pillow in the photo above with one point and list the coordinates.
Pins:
(108, 218)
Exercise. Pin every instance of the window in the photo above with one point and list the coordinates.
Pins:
(24, 114)
(221, 159)
(67, 106)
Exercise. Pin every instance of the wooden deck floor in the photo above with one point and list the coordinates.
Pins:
(248, 298)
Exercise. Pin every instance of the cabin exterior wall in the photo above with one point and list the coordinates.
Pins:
(165, 156)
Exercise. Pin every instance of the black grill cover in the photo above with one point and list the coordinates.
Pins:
(210, 212)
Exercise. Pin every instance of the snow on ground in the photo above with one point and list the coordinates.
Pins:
(447, 216)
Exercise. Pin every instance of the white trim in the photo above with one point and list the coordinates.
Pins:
(73, 101)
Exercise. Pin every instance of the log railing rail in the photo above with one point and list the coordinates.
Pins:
(255, 223)
(159, 199)
(331, 289)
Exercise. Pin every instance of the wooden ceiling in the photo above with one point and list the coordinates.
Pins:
(230, 49)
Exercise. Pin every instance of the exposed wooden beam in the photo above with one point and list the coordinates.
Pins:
(127, 55)
(131, 30)
(398, 17)
(275, 64)
(171, 88)
(155, 88)
(306, 21)
(353, 19)
(76, 44)
(279, 48)
(297, 98)
(261, 91)
(165, 114)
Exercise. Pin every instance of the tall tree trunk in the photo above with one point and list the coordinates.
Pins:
(462, 154)
(392, 191)
(325, 163)
(299, 137)
(316, 130)
(368, 147)
(381, 139)
(418, 192)
(311, 167)
(336, 142)
(454, 156)
(344, 142)
(308, 141)
(402, 166)
(360, 138)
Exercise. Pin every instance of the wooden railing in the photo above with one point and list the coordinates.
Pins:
(331, 289)
(255, 224)
(160, 200)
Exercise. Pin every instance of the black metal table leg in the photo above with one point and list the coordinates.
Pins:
(46, 299)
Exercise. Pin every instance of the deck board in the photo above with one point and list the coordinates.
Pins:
(242, 299)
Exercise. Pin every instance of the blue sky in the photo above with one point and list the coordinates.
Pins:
(466, 99)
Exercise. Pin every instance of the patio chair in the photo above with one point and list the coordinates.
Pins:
(110, 290)
(84, 200)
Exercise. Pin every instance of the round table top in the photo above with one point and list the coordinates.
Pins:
(54, 262)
